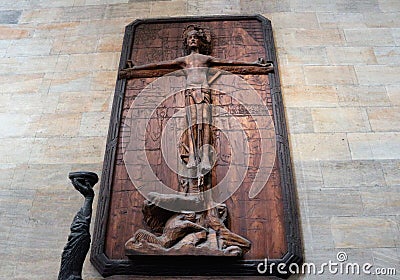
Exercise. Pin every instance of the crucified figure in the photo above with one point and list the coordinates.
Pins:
(197, 60)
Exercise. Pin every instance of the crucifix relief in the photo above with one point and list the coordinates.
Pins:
(183, 232)
(197, 162)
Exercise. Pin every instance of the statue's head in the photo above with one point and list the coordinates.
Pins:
(196, 36)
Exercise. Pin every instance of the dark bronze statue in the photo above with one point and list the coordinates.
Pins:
(191, 232)
(78, 244)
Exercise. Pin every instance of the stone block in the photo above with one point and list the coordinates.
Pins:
(378, 74)
(310, 96)
(292, 75)
(332, 202)
(45, 15)
(303, 55)
(61, 125)
(387, 55)
(308, 175)
(340, 120)
(196, 7)
(362, 96)
(381, 202)
(344, 6)
(326, 146)
(310, 37)
(95, 61)
(32, 103)
(17, 125)
(30, 47)
(6, 176)
(78, 102)
(21, 83)
(179, 7)
(317, 5)
(273, 6)
(388, 6)
(141, 8)
(363, 232)
(103, 81)
(391, 171)
(319, 234)
(68, 150)
(90, 12)
(299, 120)
(383, 145)
(15, 150)
(110, 43)
(389, 20)
(353, 174)
(94, 124)
(9, 33)
(341, 20)
(363, 37)
(384, 118)
(28, 65)
(10, 17)
(330, 75)
(72, 82)
(75, 45)
(396, 35)
(292, 20)
(351, 55)
(394, 94)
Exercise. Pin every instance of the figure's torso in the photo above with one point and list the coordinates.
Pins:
(197, 69)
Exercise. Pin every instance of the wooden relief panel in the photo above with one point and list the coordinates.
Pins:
(265, 215)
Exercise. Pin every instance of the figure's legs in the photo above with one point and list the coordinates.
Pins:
(191, 121)
(205, 165)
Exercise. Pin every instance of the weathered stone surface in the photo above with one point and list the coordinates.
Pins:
(327, 146)
(374, 145)
(378, 203)
(384, 118)
(364, 96)
(372, 74)
(351, 55)
(346, 203)
(353, 174)
(303, 117)
(59, 61)
(340, 120)
(330, 75)
(310, 96)
(369, 37)
(364, 232)
(10, 17)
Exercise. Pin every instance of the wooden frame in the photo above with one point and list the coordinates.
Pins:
(150, 265)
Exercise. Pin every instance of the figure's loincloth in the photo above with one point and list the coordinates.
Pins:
(199, 95)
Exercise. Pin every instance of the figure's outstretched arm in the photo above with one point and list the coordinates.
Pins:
(146, 70)
(259, 63)
(168, 64)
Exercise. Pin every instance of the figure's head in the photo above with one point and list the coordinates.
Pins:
(195, 36)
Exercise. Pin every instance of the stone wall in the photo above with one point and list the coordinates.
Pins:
(339, 64)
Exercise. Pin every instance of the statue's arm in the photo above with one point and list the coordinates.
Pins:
(168, 64)
(156, 69)
(223, 62)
